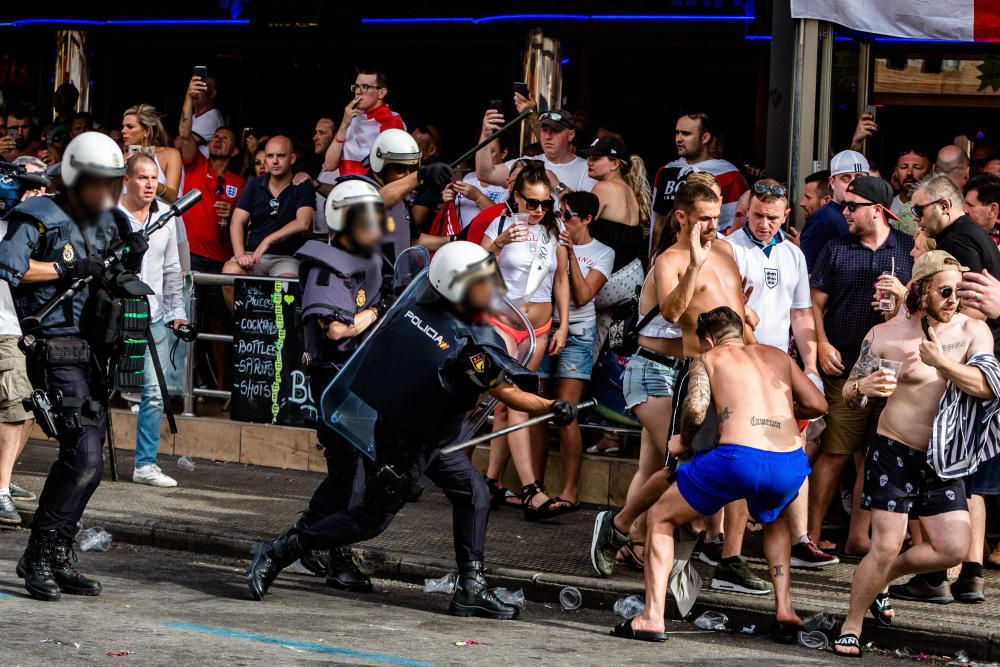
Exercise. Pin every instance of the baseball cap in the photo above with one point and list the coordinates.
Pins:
(607, 146)
(875, 190)
(557, 119)
(933, 262)
(849, 162)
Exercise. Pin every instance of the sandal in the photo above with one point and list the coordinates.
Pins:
(847, 641)
(879, 607)
(786, 633)
(625, 631)
(501, 497)
(571, 506)
(630, 557)
(546, 510)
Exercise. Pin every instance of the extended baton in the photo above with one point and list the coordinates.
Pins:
(486, 437)
(176, 209)
(486, 142)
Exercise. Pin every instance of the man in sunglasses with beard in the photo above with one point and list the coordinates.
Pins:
(908, 362)
(939, 209)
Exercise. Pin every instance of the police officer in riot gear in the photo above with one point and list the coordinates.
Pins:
(52, 242)
(341, 299)
(422, 371)
(395, 165)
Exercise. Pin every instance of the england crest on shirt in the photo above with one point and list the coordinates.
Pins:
(771, 277)
(231, 191)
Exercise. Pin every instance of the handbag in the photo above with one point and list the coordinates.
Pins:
(623, 336)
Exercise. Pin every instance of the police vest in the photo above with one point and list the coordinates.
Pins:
(400, 375)
(41, 227)
(336, 285)
(397, 230)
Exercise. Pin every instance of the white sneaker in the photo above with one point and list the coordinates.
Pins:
(152, 475)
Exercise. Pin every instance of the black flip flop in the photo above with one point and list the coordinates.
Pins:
(847, 641)
(879, 607)
(625, 631)
(786, 633)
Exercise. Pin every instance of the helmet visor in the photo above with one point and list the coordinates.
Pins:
(94, 169)
(365, 216)
(481, 284)
(394, 157)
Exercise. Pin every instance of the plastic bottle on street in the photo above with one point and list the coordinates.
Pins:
(445, 584)
(515, 598)
(711, 620)
(816, 639)
(184, 463)
(95, 539)
(570, 598)
(629, 607)
(824, 620)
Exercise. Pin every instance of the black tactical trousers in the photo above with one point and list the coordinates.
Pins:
(76, 473)
(454, 474)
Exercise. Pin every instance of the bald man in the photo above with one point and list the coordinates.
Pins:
(280, 214)
(954, 163)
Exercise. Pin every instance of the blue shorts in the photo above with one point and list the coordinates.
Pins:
(769, 481)
(576, 361)
(644, 378)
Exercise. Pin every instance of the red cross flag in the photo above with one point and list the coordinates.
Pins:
(961, 20)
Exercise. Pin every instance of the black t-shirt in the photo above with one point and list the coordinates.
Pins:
(265, 219)
(975, 249)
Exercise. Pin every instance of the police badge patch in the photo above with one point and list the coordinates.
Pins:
(771, 277)
(478, 362)
(361, 297)
(231, 191)
(68, 254)
(390, 225)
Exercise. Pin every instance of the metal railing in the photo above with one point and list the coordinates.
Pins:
(191, 393)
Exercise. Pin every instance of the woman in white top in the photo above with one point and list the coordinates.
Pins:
(473, 195)
(143, 131)
(533, 266)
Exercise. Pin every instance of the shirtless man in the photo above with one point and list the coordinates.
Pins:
(899, 484)
(758, 392)
(693, 276)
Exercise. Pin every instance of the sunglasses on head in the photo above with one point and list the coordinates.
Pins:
(915, 151)
(918, 209)
(535, 204)
(550, 115)
(766, 189)
(853, 206)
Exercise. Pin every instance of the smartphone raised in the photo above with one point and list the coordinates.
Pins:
(201, 72)
(521, 88)
(870, 110)
(495, 104)
(247, 132)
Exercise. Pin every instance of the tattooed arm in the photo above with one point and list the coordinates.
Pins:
(863, 377)
(696, 404)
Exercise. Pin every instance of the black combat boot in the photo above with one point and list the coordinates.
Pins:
(473, 596)
(344, 574)
(35, 566)
(312, 559)
(69, 580)
(270, 558)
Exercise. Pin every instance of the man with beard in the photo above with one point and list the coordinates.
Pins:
(939, 209)
(911, 165)
(930, 347)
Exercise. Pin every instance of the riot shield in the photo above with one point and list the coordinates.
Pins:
(408, 266)
(352, 418)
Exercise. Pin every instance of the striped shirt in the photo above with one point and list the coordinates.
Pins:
(966, 430)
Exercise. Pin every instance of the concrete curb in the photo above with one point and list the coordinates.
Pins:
(544, 587)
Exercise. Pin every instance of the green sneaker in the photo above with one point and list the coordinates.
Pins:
(605, 544)
(736, 576)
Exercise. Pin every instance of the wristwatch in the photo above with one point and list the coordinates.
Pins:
(561, 188)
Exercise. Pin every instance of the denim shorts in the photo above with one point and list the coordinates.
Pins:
(644, 378)
(575, 362)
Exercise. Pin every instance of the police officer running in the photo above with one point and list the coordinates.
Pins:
(51, 243)
(422, 371)
(341, 299)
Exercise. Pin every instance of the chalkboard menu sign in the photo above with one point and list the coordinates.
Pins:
(268, 383)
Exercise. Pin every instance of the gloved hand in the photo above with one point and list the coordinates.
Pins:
(137, 245)
(92, 265)
(437, 174)
(563, 412)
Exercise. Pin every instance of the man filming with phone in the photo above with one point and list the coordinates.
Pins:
(365, 117)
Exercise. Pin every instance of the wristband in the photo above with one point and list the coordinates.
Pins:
(339, 140)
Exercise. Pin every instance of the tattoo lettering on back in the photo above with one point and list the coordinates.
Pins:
(724, 415)
(763, 421)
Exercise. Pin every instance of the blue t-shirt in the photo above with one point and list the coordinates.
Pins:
(265, 219)
(826, 224)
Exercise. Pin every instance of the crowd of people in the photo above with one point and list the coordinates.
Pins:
(843, 359)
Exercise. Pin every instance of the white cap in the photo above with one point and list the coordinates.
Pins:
(849, 162)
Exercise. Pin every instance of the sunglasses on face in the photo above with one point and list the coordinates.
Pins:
(765, 189)
(568, 215)
(853, 206)
(536, 204)
(945, 292)
(918, 209)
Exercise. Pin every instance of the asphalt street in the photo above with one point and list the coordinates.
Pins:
(173, 608)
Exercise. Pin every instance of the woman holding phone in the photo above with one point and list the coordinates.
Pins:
(143, 132)
(534, 267)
